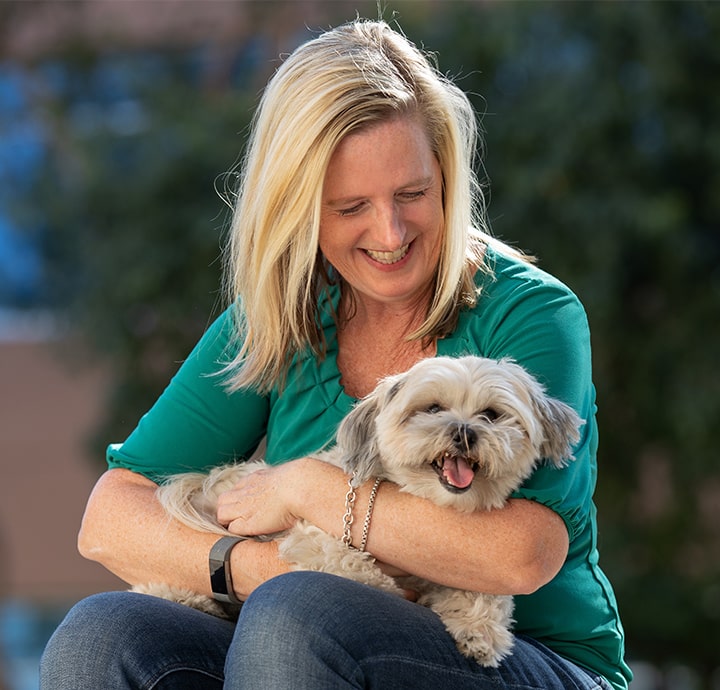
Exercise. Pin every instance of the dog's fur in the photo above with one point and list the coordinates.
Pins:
(460, 432)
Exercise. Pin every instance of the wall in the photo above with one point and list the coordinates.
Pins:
(48, 406)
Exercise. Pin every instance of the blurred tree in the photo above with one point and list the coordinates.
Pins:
(603, 149)
(134, 220)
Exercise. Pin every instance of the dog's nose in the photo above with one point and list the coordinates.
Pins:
(464, 436)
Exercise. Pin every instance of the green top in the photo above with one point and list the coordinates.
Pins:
(522, 313)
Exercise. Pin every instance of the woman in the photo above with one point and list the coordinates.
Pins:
(357, 249)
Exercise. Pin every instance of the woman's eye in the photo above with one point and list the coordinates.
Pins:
(411, 196)
(350, 211)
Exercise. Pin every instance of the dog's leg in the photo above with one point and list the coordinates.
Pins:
(309, 548)
(479, 623)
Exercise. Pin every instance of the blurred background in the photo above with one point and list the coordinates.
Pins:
(119, 124)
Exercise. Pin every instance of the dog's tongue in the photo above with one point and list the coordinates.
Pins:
(458, 472)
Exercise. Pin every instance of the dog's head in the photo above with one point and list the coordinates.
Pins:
(463, 432)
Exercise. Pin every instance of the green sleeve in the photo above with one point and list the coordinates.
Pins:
(195, 424)
(528, 315)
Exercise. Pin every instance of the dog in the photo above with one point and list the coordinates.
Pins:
(462, 432)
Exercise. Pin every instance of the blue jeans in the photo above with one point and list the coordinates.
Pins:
(299, 631)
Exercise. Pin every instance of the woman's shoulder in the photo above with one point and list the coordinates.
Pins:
(512, 283)
(519, 309)
(507, 269)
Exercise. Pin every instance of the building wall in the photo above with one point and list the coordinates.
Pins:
(48, 406)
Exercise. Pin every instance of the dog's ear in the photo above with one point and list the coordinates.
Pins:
(561, 430)
(357, 439)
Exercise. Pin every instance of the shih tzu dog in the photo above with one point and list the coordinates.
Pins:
(461, 432)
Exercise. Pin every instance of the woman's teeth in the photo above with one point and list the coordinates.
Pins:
(388, 257)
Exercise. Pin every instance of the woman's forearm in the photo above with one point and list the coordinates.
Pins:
(513, 550)
(126, 530)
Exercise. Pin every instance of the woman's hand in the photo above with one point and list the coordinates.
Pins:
(269, 501)
(262, 502)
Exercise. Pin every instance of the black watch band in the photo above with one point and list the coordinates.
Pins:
(220, 578)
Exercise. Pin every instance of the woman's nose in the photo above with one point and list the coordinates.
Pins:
(389, 228)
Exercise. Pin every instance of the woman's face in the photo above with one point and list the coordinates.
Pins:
(382, 213)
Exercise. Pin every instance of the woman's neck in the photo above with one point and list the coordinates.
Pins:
(373, 343)
(399, 319)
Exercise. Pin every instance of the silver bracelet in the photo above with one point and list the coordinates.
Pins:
(368, 515)
(348, 518)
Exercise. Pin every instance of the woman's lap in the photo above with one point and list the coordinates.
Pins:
(126, 640)
(300, 630)
(311, 630)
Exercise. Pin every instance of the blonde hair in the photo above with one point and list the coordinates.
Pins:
(344, 80)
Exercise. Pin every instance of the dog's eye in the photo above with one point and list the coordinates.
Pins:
(489, 414)
(434, 408)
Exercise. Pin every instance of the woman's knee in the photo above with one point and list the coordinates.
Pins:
(311, 611)
(87, 641)
(89, 621)
(124, 639)
(290, 634)
(300, 601)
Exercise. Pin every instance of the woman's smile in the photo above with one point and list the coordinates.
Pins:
(389, 258)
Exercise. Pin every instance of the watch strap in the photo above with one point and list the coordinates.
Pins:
(220, 576)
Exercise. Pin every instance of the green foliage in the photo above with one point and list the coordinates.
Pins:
(137, 224)
(603, 150)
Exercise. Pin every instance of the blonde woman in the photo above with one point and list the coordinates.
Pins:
(358, 248)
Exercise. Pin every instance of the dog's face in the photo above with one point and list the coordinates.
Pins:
(463, 432)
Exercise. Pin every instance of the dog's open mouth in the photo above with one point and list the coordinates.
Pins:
(456, 472)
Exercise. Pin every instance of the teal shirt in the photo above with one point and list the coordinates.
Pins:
(522, 313)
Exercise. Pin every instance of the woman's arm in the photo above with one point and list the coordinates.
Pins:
(126, 530)
(513, 550)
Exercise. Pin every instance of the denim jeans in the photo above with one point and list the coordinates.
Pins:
(299, 631)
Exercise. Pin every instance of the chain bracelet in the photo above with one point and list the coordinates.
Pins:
(348, 517)
(368, 515)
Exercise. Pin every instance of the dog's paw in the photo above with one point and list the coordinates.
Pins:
(479, 623)
(488, 646)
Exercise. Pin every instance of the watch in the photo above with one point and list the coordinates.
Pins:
(220, 577)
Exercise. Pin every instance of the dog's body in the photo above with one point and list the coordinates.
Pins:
(460, 432)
